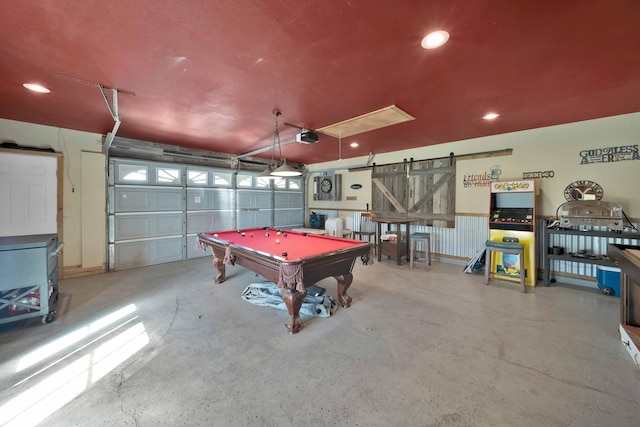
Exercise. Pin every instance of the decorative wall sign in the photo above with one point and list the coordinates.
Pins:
(476, 179)
(545, 174)
(583, 190)
(610, 154)
(512, 186)
(482, 179)
(356, 186)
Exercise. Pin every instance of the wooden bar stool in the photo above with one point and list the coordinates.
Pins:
(367, 229)
(513, 248)
(426, 239)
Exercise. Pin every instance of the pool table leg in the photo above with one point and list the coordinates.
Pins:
(293, 300)
(218, 263)
(344, 282)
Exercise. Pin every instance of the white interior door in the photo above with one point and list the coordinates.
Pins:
(28, 194)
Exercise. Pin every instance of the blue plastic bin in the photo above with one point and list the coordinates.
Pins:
(608, 277)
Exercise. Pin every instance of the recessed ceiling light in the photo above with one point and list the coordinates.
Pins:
(435, 39)
(36, 87)
(491, 116)
(353, 144)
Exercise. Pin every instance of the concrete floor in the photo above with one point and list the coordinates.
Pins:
(416, 348)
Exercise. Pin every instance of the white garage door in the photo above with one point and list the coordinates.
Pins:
(157, 209)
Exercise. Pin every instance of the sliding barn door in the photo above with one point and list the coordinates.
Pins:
(424, 190)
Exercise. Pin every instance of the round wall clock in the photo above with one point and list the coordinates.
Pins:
(326, 185)
(583, 190)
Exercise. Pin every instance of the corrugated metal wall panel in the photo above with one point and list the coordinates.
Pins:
(463, 241)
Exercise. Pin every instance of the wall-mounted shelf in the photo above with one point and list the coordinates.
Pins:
(547, 257)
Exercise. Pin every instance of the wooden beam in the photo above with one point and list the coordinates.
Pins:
(470, 156)
(388, 195)
(430, 193)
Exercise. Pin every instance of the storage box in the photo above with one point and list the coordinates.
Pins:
(608, 277)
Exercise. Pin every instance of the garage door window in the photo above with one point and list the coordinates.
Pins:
(222, 179)
(197, 178)
(167, 176)
(132, 173)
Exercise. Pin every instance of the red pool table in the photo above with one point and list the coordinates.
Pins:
(290, 259)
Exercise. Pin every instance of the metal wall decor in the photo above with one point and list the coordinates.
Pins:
(583, 190)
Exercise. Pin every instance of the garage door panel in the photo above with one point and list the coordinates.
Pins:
(169, 200)
(286, 218)
(192, 250)
(144, 226)
(209, 199)
(148, 252)
(132, 254)
(250, 219)
(129, 200)
(288, 200)
(254, 200)
(148, 199)
(198, 222)
(131, 227)
(167, 225)
(167, 250)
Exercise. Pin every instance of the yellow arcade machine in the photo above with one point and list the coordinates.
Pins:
(512, 213)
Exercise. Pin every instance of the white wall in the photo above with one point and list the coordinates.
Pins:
(71, 143)
(555, 148)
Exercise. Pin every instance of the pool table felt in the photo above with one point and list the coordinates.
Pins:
(295, 244)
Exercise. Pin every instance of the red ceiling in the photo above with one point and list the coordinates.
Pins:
(207, 74)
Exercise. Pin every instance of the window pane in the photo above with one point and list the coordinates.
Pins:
(245, 180)
(262, 182)
(280, 182)
(132, 173)
(294, 184)
(222, 179)
(168, 176)
(195, 177)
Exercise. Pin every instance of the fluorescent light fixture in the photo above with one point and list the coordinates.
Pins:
(491, 116)
(353, 145)
(435, 39)
(36, 87)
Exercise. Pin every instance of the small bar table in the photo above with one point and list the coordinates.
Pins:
(398, 248)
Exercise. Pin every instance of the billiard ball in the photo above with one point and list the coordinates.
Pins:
(284, 254)
(251, 235)
(242, 234)
(284, 234)
(304, 234)
(215, 235)
(267, 234)
(238, 231)
(277, 241)
(278, 232)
